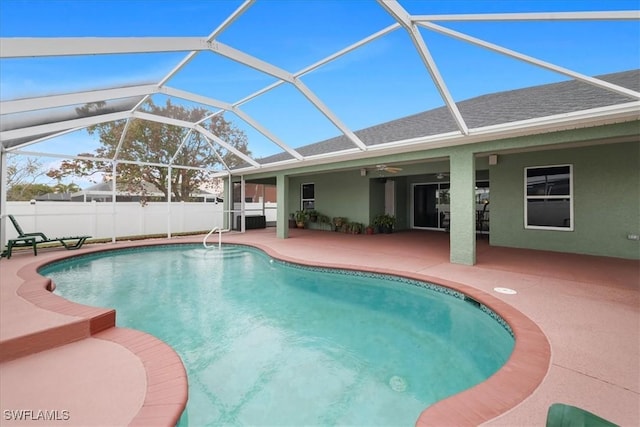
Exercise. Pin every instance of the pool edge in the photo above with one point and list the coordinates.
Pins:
(166, 391)
(516, 380)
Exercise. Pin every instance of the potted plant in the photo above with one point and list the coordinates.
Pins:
(323, 219)
(313, 215)
(355, 227)
(292, 221)
(384, 223)
(337, 222)
(388, 221)
(369, 229)
(300, 217)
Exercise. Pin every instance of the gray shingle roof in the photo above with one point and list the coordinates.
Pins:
(492, 109)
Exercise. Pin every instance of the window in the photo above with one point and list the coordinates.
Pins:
(549, 198)
(308, 196)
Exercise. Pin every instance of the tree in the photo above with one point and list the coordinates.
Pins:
(66, 188)
(22, 174)
(157, 144)
(20, 192)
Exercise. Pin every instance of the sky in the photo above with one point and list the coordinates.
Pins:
(381, 81)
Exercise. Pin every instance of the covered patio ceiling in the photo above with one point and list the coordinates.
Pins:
(28, 121)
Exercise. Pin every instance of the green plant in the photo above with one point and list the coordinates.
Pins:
(338, 221)
(324, 219)
(384, 222)
(312, 215)
(355, 227)
(301, 218)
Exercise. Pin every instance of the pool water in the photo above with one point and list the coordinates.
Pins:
(271, 343)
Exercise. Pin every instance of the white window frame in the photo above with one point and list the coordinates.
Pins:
(302, 199)
(563, 196)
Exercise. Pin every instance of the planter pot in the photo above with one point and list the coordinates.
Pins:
(387, 230)
(292, 223)
(300, 224)
(369, 230)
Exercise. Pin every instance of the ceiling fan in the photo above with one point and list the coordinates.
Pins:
(442, 175)
(385, 168)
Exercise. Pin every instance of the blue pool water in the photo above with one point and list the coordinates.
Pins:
(271, 343)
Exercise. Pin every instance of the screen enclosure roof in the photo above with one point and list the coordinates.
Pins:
(317, 82)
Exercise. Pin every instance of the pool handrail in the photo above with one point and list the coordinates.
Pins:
(213, 230)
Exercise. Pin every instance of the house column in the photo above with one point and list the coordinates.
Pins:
(282, 199)
(463, 214)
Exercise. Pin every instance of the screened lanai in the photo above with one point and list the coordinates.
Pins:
(261, 87)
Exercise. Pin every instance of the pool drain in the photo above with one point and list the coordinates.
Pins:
(398, 383)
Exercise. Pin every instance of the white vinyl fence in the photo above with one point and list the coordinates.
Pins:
(108, 220)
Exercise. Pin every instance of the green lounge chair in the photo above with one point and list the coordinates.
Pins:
(25, 240)
(561, 415)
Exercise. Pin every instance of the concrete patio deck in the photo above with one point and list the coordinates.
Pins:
(576, 320)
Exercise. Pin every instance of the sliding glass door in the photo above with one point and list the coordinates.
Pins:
(431, 206)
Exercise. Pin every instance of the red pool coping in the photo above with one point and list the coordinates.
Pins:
(167, 386)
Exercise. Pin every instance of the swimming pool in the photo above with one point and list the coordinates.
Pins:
(267, 342)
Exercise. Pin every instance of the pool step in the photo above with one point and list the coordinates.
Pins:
(215, 253)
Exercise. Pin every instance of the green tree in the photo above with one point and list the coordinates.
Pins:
(66, 188)
(22, 174)
(157, 144)
(20, 192)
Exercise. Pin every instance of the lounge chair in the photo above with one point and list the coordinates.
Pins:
(25, 240)
(561, 415)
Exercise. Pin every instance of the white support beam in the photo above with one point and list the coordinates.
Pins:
(220, 159)
(400, 15)
(184, 141)
(229, 147)
(123, 135)
(189, 96)
(626, 15)
(61, 126)
(54, 101)
(103, 159)
(211, 37)
(329, 114)
(208, 116)
(348, 49)
(531, 60)
(320, 63)
(250, 61)
(37, 140)
(69, 46)
(197, 128)
(257, 126)
(228, 107)
(258, 93)
(63, 156)
(161, 119)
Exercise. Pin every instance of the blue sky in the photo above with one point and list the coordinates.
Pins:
(381, 81)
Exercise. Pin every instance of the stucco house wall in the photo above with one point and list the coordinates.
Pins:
(344, 194)
(606, 185)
